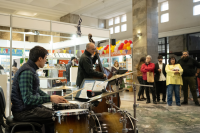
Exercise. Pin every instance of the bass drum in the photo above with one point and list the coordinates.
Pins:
(109, 123)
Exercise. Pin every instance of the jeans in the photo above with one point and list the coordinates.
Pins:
(152, 91)
(170, 89)
(161, 88)
(141, 91)
(191, 81)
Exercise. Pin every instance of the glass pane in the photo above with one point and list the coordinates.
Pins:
(123, 18)
(124, 27)
(110, 22)
(196, 0)
(196, 10)
(165, 17)
(117, 20)
(164, 6)
(111, 30)
(117, 29)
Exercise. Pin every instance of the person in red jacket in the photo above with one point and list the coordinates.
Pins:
(148, 67)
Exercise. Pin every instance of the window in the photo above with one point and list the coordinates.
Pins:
(164, 6)
(111, 30)
(196, 10)
(110, 22)
(123, 18)
(165, 17)
(124, 27)
(196, 0)
(117, 20)
(117, 29)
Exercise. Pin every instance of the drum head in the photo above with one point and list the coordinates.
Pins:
(72, 111)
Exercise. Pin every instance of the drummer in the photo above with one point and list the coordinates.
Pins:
(85, 68)
(27, 98)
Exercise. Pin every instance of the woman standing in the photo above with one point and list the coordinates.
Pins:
(140, 80)
(114, 70)
(173, 81)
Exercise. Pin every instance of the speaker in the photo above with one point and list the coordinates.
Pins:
(113, 41)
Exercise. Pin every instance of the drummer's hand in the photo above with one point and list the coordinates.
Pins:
(57, 99)
(104, 75)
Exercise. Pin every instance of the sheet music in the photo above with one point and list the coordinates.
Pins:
(87, 86)
(98, 86)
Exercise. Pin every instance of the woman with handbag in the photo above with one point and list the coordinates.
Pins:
(140, 80)
(173, 80)
(147, 70)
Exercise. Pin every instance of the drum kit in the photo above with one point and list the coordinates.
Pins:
(78, 117)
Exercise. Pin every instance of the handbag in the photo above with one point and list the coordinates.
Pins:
(150, 77)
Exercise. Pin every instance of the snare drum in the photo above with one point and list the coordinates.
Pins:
(71, 121)
(64, 106)
(71, 105)
(109, 123)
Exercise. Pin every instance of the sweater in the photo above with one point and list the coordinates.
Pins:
(173, 78)
(147, 68)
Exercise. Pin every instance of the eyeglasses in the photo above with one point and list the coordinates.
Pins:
(185, 54)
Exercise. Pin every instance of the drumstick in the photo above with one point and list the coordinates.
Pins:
(73, 92)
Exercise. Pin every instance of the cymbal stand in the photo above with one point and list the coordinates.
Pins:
(134, 106)
(91, 113)
(122, 119)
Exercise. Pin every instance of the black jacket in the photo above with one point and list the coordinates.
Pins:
(85, 68)
(189, 66)
(157, 73)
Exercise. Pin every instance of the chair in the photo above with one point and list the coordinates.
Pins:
(13, 126)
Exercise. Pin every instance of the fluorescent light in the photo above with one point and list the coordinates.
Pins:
(26, 13)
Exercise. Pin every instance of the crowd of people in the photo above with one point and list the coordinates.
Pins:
(168, 78)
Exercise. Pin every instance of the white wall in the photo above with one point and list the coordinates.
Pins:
(89, 21)
(180, 16)
(125, 34)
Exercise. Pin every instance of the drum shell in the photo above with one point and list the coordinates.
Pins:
(72, 122)
(109, 123)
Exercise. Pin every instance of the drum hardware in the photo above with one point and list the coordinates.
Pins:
(59, 115)
(124, 121)
(62, 118)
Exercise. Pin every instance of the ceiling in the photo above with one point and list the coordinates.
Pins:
(54, 9)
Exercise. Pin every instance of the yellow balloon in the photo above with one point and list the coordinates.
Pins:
(128, 48)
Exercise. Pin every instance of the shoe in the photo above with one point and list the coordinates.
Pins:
(164, 102)
(184, 103)
(148, 102)
(178, 104)
(197, 104)
(140, 100)
(169, 105)
(154, 102)
(158, 102)
(143, 98)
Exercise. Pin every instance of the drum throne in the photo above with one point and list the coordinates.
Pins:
(13, 126)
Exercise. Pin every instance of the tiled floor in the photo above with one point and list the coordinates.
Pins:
(161, 118)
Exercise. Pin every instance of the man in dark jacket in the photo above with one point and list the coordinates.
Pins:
(85, 68)
(27, 98)
(188, 64)
(160, 79)
(69, 64)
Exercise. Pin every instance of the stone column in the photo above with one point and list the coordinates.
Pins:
(145, 21)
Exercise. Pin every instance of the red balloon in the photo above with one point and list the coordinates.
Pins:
(130, 41)
(125, 41)
(106, 47)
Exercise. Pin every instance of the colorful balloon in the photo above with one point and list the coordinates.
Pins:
(130, 41)
(125, 41)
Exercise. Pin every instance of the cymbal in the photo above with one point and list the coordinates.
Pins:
(116, 77)
(64, 87)
(105, 95)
